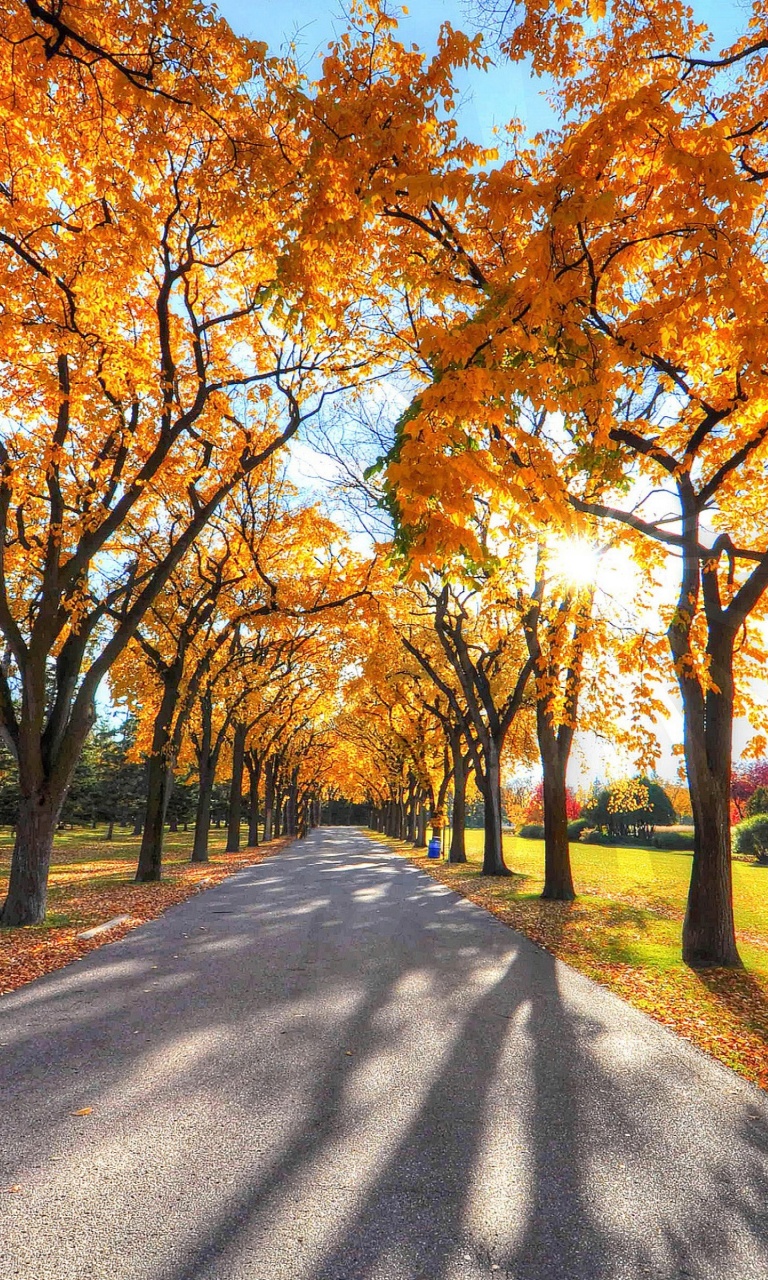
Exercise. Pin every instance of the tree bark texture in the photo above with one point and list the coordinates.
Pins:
(159, 765)
(269, 798)
(493, 853)
(25, 902)
(558, 877)
(709, 932)
(236, 789)
(253, 763)
(457, 851)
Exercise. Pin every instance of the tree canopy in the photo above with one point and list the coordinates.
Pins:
(562, 345)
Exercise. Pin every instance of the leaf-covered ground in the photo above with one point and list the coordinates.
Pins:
(91, 882)
(624, 932)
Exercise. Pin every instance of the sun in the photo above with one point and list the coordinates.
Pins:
(575, 561)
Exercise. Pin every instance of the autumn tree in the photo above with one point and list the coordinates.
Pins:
(612, 279)
(148, 349)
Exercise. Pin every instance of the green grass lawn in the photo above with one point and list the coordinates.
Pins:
(653, 883)
(86, 843)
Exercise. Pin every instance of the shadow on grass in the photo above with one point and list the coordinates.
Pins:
(741, 994)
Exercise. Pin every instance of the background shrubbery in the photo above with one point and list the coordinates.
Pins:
(751, 837)
(682, 840)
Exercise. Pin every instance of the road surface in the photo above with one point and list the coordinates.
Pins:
(329, 1067)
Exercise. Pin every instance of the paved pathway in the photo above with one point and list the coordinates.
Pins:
(330, 1068)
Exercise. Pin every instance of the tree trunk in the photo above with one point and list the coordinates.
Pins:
(421, 832)
(206, 772)
(158, 792)
(253, 763)
(412, 810)
(402, 828)
(458, 851)
(709, 935)
(269, 798)
(236, 789)
(202, 818)
(292, 806)
(493, 854)
(302, 823)
(110, 829)
(28, 886)
(558, 878)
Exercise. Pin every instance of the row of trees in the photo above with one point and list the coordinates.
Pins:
(586, 325)
(198, 249)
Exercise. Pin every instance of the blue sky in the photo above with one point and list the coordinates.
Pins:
(488, 99)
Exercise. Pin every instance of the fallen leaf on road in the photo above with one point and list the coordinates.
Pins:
(15, 1187)
(84, 1111)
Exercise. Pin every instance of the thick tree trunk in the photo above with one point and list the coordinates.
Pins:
(292, 806)
(558, 877)
(30, 864)
(269, 798)
(41, 796)
(253, 763)
(413, 809)
(493, 854)
(302, 821)
(402, 819)
(421, 832)
(158, 791)
(236, 789)
(206, 772)
(202, 817)
(709, 934)
(457, 851)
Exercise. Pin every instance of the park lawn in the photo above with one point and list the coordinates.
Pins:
(624, 932)
(91, 881)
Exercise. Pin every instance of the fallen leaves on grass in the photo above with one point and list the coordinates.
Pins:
(88, 893)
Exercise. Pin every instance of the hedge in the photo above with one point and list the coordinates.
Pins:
(576, 827)
(751, 836)
(682, 840)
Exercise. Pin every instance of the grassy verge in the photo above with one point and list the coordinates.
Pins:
(624, 931)
(91, 882)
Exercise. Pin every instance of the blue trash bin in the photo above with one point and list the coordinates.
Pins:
(433, 849)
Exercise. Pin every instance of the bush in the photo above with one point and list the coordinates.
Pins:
(531, 831)
(593, 835)
(576, 827)
(757, 803)
(630, 809)
(682, 840)
(751, 836)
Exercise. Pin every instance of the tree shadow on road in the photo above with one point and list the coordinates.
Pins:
(411, 1091)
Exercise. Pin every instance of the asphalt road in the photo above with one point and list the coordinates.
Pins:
(331, 1068)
